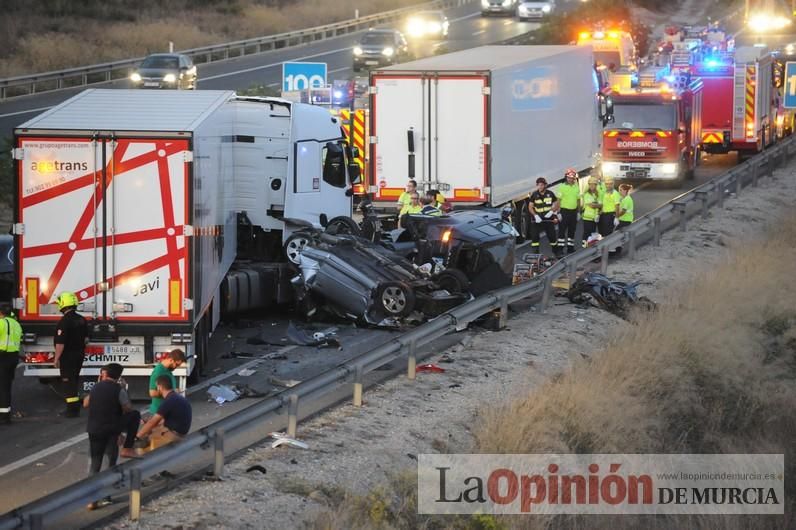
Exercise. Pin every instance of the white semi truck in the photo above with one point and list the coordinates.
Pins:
(141, 202)
(481, 125)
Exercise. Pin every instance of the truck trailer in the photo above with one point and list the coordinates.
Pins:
(140, 203)
(481, 125)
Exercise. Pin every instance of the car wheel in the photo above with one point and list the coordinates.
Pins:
(343, 225)
(294, 245)
(454, 281)
(395, 298)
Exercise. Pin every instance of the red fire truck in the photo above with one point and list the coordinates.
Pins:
(656, 132)
(718, 76)
(755, 101)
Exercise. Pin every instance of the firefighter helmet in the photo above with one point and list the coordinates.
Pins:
(570, 172)
(66, 299)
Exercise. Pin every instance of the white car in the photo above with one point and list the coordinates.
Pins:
(527, 10)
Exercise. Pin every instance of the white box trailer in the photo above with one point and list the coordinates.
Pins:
(133, 200)
(481, 125)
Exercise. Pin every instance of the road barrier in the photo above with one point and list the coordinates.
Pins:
(209, 441)
(25, 85)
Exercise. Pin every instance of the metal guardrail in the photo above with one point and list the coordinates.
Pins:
(674, 214)
(12, 87)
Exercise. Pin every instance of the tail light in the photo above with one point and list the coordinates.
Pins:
(664, 134)
(446, 235)
(359, 189)
(39, 357)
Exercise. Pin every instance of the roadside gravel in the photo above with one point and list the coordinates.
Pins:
(357, 450)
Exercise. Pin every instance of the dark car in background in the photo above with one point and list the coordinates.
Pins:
(380, 47)
(165, 70)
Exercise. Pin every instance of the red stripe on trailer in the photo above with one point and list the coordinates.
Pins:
(168, 209)
(88, 244)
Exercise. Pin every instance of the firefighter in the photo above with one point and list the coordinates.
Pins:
(543, 205)
(10, 338)
(70, 346)
(590, 208)
(609, 202)
(569, 197)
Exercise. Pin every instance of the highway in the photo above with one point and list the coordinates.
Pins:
(43, 452)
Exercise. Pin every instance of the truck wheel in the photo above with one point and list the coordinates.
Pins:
(343, 225)
(294, 245)
(454, 281)
(396, 299)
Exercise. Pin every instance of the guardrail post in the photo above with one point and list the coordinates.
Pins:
(720, 195)
(754, 174)
(681, 209)
(36, 521)
(411, 366)
(218, 463)
(358, 386)
(573, 271)
(702, 195)
(631, 245)
(604, 260)
(656, 231)
(546, 294)
(135, 494)
(503, 317)
(292, 415)
(738, 183)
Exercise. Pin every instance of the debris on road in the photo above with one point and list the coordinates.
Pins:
(616, 297)
(256, 467)
(320, 339)
(285, 383)
(246, 372)
(281, 438)
(222, 393)
(432, 368)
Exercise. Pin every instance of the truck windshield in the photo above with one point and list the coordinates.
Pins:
(608, 58)
(640, 116)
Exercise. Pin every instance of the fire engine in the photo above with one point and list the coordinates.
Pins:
(656, 132)
(755, 101)
(717, 72)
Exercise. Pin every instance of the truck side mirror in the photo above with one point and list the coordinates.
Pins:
(354, 173)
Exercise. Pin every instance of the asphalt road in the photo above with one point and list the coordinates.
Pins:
(45, 452)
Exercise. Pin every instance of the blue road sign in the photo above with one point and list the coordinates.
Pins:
(299, 76)
(790, 85)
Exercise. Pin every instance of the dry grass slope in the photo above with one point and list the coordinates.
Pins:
(43, 35)
(712, 372)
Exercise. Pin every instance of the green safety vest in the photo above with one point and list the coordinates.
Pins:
(10, 335)
(408, 208)
(626, 204)
(589, 213)
(568, 195)
(610, 200)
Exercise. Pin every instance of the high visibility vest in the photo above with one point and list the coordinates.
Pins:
(610, 200)
(589, 213)
(569, 194)
(10, 335)
(626, 204)
(408, 208)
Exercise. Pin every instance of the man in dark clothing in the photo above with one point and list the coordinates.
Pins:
(109, 414)
(70, 346)
(173, 418)
(10, 338)
(543, 205)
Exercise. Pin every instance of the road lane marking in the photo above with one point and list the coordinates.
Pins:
(465, 17)
(507, 22)
(8, 115)
(22, 462)
(479, 32)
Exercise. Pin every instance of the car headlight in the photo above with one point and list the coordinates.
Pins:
(357, 51)
(546, 9)
(170, 78)
(415, 28)
(388, 51)
(135, 77)
(669, 169)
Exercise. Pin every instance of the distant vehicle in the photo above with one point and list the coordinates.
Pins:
(498, 7)
(165, 70)
(380, 47)
(431, 25)
(528, 9)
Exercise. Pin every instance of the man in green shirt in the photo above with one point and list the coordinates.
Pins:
(170, 362)
(405, 199)
(610, 201)
(569, 200)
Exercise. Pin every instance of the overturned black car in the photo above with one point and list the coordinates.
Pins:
(432, 265)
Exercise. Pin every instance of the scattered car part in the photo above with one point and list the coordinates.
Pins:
(617, 297)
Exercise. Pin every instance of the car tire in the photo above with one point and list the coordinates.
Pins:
(453, 280)
(395, 299)
(294, 245)
(343, 224)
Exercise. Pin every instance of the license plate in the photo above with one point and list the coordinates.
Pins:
(151, 84)
(371, 62)
(639, 173)
(116, 353)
